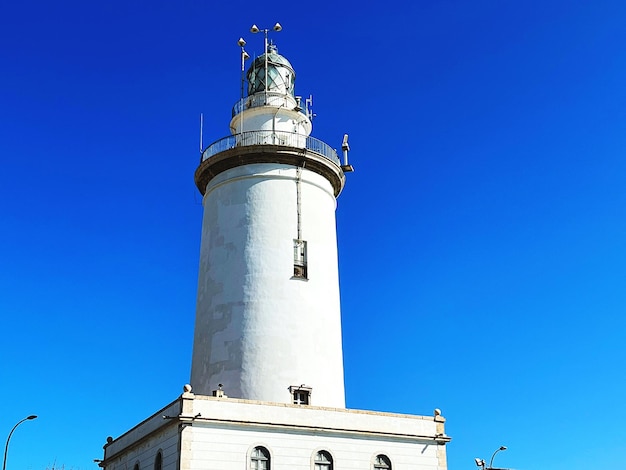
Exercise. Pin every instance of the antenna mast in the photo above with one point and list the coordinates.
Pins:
(244, 56)
(201, 126)
(255, 29)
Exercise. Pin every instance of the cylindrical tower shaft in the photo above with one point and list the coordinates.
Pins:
(260, 329)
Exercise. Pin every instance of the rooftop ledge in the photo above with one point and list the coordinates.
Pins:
(201, 410)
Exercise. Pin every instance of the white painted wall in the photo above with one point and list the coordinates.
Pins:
(258, 330)
(140, 444)
(280, 116)
(219, 434)
(223, 448)
(227, 431)
(144, 451)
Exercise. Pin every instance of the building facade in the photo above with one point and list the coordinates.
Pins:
(198, 432)
(267, 387)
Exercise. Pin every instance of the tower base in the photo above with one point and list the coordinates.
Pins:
(197, 432)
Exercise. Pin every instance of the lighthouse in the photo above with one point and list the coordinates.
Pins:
(267, 389)
(268, 322)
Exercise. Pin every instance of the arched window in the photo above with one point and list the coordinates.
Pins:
(158, 461)
(136, 467)
(323, 461)
(260, 459)
(382, 462)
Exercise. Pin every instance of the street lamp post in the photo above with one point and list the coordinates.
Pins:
(494, 454)
(6, 448)
(481, 462)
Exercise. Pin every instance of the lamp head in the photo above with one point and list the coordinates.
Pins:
(278, 27)
(254, 29)
(241, 42)
(479, 462)
(502, 447)
(32, 417)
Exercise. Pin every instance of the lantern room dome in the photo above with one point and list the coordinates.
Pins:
(280, 75)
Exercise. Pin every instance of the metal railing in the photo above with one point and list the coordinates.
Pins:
(268, 137)
(271, 98)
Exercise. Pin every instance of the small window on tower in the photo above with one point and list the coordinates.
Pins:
(301, 394)
(299, 259)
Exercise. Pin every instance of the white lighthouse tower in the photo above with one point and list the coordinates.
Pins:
(268, 323)
(267, 388)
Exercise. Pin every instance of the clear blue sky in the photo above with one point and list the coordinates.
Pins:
(481, 238)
